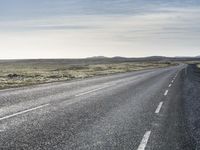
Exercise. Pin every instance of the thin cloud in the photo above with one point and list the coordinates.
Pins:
(83, 28)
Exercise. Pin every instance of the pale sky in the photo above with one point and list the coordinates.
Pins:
(85, 28)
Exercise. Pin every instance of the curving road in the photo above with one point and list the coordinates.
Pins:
(130, 111)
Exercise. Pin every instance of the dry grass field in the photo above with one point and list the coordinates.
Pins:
(198, 65)
(14, 74)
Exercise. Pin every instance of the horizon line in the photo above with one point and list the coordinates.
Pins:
(93, 57)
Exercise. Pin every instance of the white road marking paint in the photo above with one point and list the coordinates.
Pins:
(23, 112)
(144, 141)
(170, 85)
(159, 107)
(172, 81)
(166, 92)
(91, 91)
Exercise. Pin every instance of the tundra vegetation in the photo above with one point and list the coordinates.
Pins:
(14, 74)
(198, 65)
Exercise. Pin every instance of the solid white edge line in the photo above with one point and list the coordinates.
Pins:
(144, 141)
(22, 112)
(159, 107)
(166, 92)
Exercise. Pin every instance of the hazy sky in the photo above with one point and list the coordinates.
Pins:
(84, 28)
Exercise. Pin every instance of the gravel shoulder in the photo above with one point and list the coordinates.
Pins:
(191, 96)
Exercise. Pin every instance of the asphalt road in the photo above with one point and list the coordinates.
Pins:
(130, 111)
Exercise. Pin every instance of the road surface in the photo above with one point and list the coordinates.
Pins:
(131, 111)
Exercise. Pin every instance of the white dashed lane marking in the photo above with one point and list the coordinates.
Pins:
(91, 91)
(166, 92)
(144, 141)
(159, 107)
(23, 112)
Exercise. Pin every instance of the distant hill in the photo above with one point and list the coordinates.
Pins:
(96, 57)
(99, 60)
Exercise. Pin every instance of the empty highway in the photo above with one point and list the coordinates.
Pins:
(132, 111)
